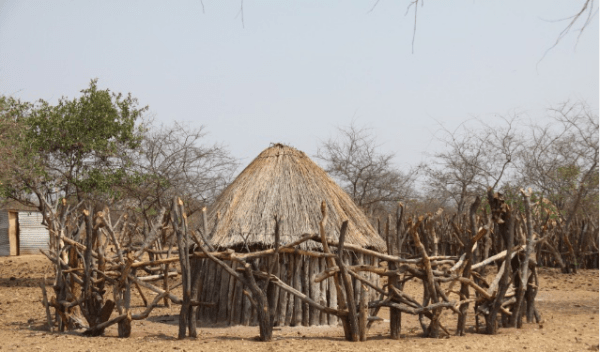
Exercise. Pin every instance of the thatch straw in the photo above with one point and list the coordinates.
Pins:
(284, 181)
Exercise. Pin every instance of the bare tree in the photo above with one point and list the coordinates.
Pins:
(476, 158)
(561, 159)
(561, 164)
(176, 161)
(354, 159)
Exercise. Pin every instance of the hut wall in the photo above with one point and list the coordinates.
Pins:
(232, 307)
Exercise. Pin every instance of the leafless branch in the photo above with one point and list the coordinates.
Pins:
(414, 3)
(241, 12)
(587, 12)
(374, 5)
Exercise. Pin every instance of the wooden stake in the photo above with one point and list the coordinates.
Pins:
(347, 282)
(363, 313)
(45, 301)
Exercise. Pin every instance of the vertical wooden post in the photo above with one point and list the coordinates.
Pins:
(324, 289)
(289, 312)
(399, 233)
(272, 263)
(333, 301)
(388, 237)
(516, 318)
(464, 288)
(205, 233)
(261, 303)
(351, 302)
(196, 285)
(184, 317)
(296, 269)
(166, 300)
(356, 259)
(212, 311)
(315, 290)
(246, 309)
(207, 278)
(287, 264)
(507, 229)
(306, 290)
(395, 314)
(331, 262)
(124, 326)
(45, 301)
(363, 313)
(224, 304)
(237, 301)
(429, 284)
(273, 294)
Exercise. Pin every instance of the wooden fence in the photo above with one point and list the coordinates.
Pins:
(97, 267)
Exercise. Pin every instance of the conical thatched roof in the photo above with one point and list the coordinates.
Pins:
(284, 181)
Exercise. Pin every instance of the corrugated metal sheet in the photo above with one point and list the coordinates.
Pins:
(30, 219)
(4, 243)
(4, 240)
(32, 240)
(33, 236)
(3, 219)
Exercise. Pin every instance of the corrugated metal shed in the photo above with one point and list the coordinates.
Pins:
(22, 232)
(33, 236)
(4, 239)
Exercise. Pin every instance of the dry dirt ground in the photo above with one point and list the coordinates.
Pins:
(568, 304)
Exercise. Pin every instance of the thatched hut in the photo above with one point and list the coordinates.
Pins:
(282, 181)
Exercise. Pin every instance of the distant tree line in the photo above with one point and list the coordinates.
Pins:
(559, 161)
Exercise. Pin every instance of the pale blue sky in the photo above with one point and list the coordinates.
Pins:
(300, 68)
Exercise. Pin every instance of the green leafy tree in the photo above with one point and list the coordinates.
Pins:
(69, 150)
(17, 161)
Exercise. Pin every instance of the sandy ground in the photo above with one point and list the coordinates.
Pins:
(568, 303)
